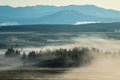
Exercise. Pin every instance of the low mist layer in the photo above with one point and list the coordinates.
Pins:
(104, 44)
(103, 68)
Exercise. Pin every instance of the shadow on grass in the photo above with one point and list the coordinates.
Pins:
(32, 73)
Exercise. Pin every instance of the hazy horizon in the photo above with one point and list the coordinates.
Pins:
(59, 6)
(111, 4)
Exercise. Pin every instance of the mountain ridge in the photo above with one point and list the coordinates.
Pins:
(37, 14)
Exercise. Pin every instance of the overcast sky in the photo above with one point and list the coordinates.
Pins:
(109, 4)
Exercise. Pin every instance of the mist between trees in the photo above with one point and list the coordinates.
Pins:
(59, 58)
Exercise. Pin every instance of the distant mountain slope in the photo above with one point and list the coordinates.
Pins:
(57, 15)
(95, 11)
(72, 17)
(66, 17)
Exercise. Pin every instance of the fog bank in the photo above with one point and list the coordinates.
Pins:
(103, 68)
(86, 41)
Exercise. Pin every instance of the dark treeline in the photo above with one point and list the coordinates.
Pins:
(56, 58)
(12, 53)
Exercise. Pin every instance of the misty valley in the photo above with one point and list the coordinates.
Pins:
(60, 52)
